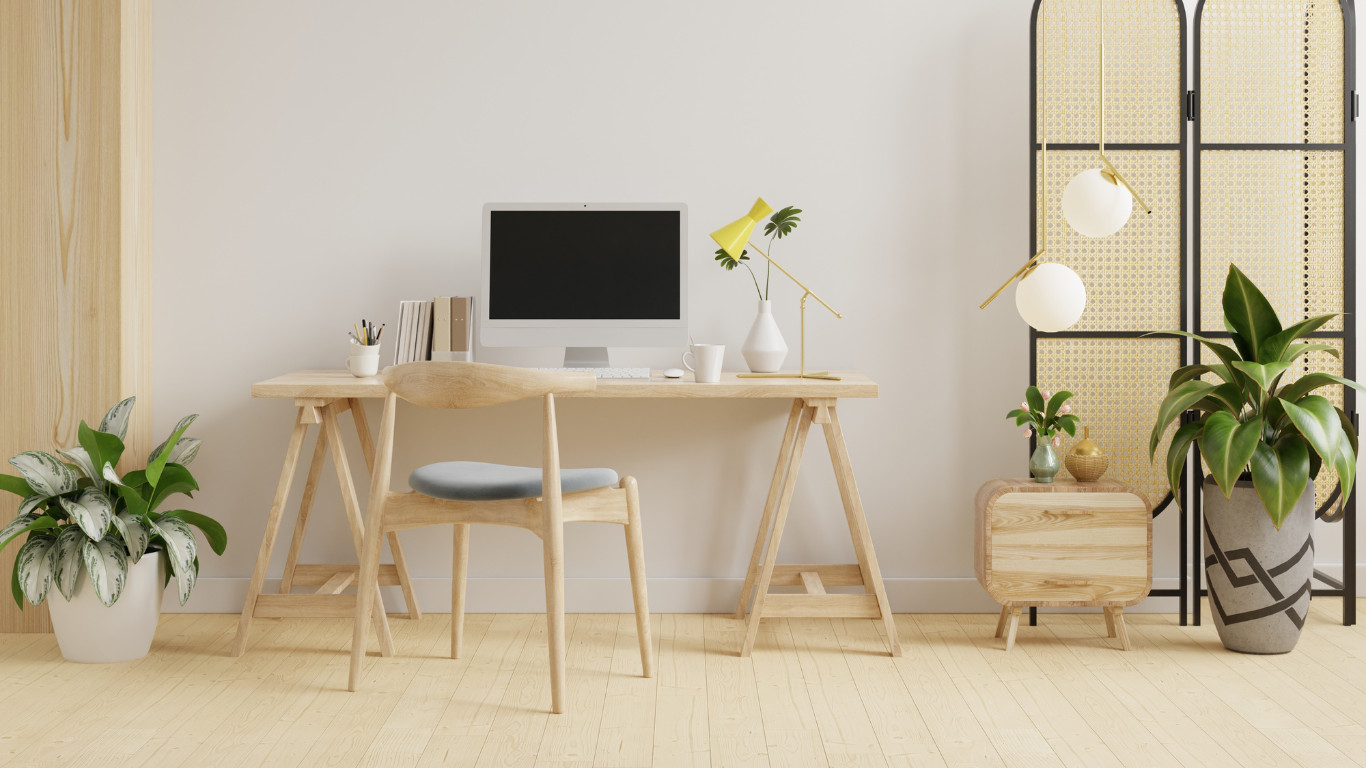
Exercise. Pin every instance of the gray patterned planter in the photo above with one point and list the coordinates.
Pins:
(1259, 577)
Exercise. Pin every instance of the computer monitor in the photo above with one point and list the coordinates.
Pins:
(585, 276)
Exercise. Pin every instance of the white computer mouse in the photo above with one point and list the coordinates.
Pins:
(673, 373)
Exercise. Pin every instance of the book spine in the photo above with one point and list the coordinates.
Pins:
(441, 326)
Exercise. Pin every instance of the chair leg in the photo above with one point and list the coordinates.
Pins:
(553, 543)
(635, 552)
(459, 568)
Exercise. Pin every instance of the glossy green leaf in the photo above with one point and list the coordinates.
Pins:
(1248, 314)
(107, 564)
(15, 485)
(1055, 402)
(24, 523)
(1034, 398)
(1295, 350)
(115, 421)
(36, 566)
(1312, 381)
(1279, 344)
(1179, 451)
(102, 447)
(156, 464)
(1177, 402)
(1346, 465)
(44, 473)
(212, 530)
(1227, 446)
(1280, 475)
(133, 499)
(174, 479)
(1317, 421)
(781, 223)
(1262, 374)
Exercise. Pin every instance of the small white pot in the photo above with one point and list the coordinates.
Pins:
(764, 349)
(90, 633)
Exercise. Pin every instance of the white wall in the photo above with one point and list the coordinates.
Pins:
(319, 161)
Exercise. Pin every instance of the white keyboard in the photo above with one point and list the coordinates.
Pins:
(608, 373)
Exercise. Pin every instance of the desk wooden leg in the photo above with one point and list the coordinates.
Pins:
(858, 524)
(296, 543)
(774, 488)
(367, 446)
(277, 508)
(353, 516)
(779, 521)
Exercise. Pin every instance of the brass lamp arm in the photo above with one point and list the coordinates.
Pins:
(1118, 177)
(795, 280)
(1020, 274)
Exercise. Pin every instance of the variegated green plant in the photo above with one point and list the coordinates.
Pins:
(1251, 416)
(80, 514)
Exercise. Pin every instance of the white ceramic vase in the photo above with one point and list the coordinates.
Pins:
(764, 349)
(90, 633)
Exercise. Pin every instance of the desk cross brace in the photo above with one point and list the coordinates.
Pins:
(764, 572)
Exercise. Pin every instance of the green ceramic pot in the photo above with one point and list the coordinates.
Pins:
(1044, 464)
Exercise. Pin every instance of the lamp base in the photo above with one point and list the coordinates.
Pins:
(825, 375)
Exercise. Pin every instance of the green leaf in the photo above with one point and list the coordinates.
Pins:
(107, 565)
(92, 511)
(1188, 373)
(154, 466)
(14, 588)
(728, 261)
(1178, 452)
(783, 222)
(1249, 315)
(81, 458)
(1262, 374)
(45, 473)
(1177, 401)
(133, 499)
(212, 530)
(1055, 402)
(15, 485)
(1280, 475)
(1278, 344)
(1226, 354)
(1348, 430)
(32, 503)
(115, 421)
(1228, 446)
(35, 566)
(68, 559)
(1317, 421)
(136, 535)
(102, 447)
(174, 479)
(1034, 398)
(1346, 465)
(178, 539)
(23, 524)
(1295, 350)
(1069, 423)
(1310, 382)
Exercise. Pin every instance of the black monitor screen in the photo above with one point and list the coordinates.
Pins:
(584, 265)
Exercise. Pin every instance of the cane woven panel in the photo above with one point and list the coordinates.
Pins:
(1272, 74)
(1133, 278)
(1142, 76)
(1271, 71)
(1118, 385)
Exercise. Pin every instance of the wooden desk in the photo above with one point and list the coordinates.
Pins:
(322, 395)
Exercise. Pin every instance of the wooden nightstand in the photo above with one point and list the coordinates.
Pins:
(1063, 544)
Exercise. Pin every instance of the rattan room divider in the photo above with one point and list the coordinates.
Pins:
(1280, 207)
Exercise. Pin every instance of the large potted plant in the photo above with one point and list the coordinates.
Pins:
(82, 518)
(1263, 437)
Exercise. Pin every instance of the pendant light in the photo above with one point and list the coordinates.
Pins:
(1050, 296)
(1098, 202)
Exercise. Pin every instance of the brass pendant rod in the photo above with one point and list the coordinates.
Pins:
(1114, 175)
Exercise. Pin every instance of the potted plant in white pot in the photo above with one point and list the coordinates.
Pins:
(764, 349)
(82, 518)
(1263, 437)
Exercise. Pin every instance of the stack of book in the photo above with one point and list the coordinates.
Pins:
(439, 329)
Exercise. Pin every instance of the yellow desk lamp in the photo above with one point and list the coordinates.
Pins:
(732, 238)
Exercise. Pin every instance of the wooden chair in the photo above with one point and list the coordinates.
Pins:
(462, 493)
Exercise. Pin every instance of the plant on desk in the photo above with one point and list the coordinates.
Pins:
(1044, 415)
(1251, 410)
(81, 516)
(764, 349)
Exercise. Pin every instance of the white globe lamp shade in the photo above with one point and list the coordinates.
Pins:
(1095, 205)
(1051, 298)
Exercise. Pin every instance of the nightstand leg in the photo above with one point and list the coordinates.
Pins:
(1120, 631)
(1010, 630)
(1109, 622)
(1001, 622)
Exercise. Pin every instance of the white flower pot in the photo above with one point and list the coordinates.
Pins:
(90, 633)
(764, 349)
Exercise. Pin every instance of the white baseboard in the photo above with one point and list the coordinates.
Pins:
(700, 595)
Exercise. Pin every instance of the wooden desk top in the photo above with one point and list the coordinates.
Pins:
(340, 384)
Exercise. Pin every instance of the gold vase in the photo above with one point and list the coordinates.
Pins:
(1086, 461)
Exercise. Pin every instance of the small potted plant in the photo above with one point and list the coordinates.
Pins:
(1043, 415)
(1263, 435)
(83, 519)
(764, 349)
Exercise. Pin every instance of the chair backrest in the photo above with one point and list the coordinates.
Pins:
(476, 385)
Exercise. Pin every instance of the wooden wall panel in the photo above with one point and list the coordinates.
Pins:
(74, 78)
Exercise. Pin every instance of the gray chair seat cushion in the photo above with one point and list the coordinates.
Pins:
(477, 481)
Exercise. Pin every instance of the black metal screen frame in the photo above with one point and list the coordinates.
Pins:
(1345, 588)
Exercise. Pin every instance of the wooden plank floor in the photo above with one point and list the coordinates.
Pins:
(815, 692)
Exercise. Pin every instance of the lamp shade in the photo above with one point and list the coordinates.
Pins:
(1095, 205)
(1051, 298)
(733, 236)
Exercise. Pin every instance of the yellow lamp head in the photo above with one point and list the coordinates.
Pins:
(733, 236)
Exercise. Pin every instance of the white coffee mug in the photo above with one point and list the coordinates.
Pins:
(706, 362)
(363, 360)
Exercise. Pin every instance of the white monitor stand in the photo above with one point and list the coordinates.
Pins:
(585, 357)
